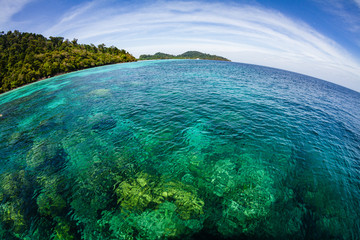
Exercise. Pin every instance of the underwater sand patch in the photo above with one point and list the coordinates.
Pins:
(102, 92)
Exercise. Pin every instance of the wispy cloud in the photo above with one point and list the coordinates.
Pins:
(348, 11)
(76, 18)
(358, 3)
(9, 8)
(242, 33)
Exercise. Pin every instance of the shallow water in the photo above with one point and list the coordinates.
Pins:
(180, 149)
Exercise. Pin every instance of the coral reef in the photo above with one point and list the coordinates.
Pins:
(14, 185)
(104, 123)
(196, 136)
(224, 177)
(46, 155)
(13, 216)
(146, 191)
(188, 204)
(50, 203)
(62, 231)
(24, 193)
(249, 203)
(160, 223)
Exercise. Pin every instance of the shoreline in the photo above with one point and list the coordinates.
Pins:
(59, 74)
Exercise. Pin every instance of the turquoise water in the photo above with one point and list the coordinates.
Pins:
(180, 149)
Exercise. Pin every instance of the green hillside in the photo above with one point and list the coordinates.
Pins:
(186, 55)
(28, 57)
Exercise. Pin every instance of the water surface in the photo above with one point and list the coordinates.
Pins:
(180, 149)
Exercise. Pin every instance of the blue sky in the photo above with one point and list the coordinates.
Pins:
(314, 37)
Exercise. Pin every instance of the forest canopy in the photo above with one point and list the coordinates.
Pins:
(186, 55)
(28, 57)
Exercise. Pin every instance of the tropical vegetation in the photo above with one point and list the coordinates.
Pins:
(28, 57)
(186, 55)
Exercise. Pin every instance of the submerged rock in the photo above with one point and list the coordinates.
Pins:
(13, 216)
(50, 203)
(62, 231)
(46, 155)
(104, 123)
(16, 191)
(20, 139)
(14, 185)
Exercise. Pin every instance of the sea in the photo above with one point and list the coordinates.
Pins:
(180, 149)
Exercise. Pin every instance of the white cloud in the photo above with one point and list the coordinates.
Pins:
(242, 33)
(9, 8)
(346, 11)
(75, 18)
(357, 2)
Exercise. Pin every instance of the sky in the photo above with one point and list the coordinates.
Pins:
(320, 38)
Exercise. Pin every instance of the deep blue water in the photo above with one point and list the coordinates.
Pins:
(180, 149)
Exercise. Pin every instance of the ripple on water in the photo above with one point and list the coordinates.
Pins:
(180, 149)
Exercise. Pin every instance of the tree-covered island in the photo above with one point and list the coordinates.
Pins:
(28, 57)
(186, 55)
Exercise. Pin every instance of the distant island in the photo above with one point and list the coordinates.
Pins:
(29, 57)
(186, 55)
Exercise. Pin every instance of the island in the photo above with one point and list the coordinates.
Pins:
(29, 57)
(186, 55)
